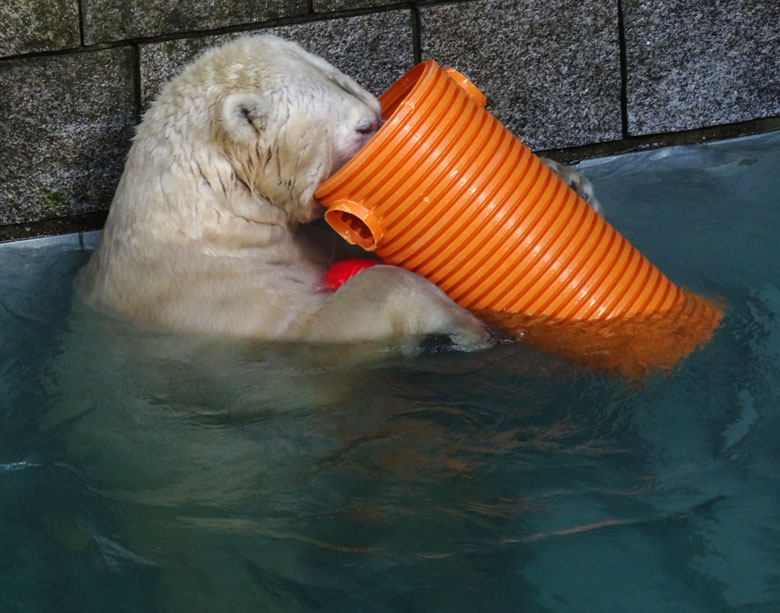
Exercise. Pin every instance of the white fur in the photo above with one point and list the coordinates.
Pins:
(577, 181)
(203, 232)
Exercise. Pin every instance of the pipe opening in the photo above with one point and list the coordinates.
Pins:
(351, 228)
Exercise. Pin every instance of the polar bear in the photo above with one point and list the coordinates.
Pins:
(207, 231)
(203, 234)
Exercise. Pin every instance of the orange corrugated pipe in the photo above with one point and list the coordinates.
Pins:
(445, 190)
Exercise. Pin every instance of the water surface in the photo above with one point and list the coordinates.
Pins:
(142, 472)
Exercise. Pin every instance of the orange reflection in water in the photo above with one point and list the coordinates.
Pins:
(632, 347)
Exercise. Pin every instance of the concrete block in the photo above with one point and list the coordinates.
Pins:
(374, 49)
(693, 64)
(65, 124)
(338, 5)
(38, 25)
(550, 69)
(110, 20)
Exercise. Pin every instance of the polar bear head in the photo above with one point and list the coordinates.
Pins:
(256, 121)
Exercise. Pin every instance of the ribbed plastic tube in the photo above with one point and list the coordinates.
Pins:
(445, 190)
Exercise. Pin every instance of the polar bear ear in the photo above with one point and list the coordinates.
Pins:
(244, 117)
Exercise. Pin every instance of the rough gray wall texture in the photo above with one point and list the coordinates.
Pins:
(110, 20)
(38, 25)
(692, 63)
(335, 5)
(554, 82)
(65, 126)
(75, 74)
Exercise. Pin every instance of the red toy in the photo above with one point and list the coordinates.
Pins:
(342, 270)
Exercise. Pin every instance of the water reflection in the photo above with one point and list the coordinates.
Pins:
(279, 457)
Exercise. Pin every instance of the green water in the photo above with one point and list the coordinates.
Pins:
(141, 472)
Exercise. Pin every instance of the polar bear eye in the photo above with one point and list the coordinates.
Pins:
(366, 127)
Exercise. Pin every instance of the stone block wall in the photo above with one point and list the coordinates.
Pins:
(577, 76)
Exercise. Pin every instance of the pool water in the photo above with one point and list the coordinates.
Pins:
(142, 472)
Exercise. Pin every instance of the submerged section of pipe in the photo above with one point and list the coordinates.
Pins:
(633, 347)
